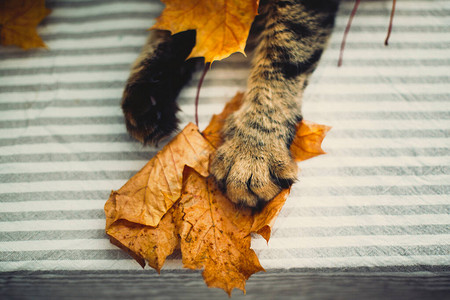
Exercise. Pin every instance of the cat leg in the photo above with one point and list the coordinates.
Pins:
(254, 163)
(156, 78)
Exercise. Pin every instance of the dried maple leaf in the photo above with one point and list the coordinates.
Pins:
(149, 194)
(144, 243)
(214, 235)
(222, 25)
(308, 140)
(18, 21)
(139, 215)
(264, 220)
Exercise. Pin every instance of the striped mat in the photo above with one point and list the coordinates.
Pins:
(379, 200)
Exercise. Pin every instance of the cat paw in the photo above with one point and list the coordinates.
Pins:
(159, 73)
(251, 176)
(150, 113)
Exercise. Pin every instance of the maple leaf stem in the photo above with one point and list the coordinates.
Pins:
(347, 29)
(205, 70)
(391, 20)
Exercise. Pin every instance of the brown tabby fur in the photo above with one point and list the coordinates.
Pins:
(254, 163)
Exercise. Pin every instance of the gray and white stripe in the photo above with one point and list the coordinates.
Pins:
(380, 198)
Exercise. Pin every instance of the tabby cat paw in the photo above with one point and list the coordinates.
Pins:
(253, 176)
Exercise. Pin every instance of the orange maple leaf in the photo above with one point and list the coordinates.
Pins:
(144, 243)
(215, 235)
(308, 141)
(222, 25)
(149, 194)
(18, 21)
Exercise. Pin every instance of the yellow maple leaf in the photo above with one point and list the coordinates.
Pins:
(308, 141)
(215, 235)
(222, 25)
(144, 243)
(18, 21)
(149, 194)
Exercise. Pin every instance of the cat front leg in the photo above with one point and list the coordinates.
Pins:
(254, 163)
(156, 78)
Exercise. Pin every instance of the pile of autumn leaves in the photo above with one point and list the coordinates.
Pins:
(173, 202)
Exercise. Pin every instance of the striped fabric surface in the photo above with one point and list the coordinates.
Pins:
(380, 198)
